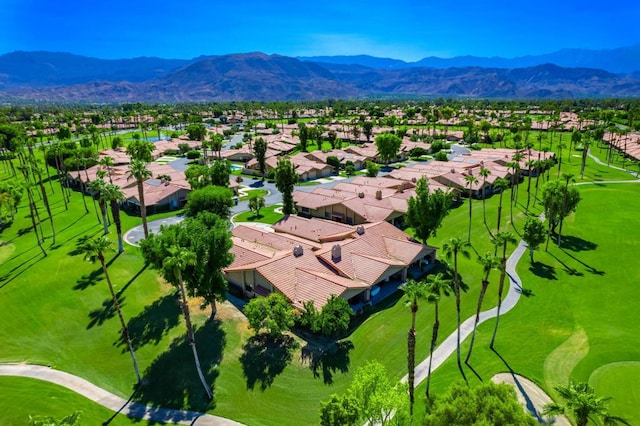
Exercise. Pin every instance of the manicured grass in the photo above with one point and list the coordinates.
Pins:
(24, 397)
(255, 193)
(52, 312)
(267, 215)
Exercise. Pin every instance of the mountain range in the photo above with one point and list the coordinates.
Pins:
(64, 77)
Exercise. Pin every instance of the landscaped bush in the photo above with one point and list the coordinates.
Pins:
(183, 147)
(441, 156)
(193, 154)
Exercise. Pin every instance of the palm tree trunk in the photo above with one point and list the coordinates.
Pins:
(500, 209)
(434, 339)
(191, 336)
(116, 304)
(411, 364)
(33, 222)
(503, 273)
(105, 221)
(457, 291)
(483, 291)
(115, 212)
(143, 209)
(470, 207)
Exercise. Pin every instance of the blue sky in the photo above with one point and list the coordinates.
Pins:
(400, 29)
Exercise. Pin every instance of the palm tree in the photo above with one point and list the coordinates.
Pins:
(530, 165)
(97, 186)
(437, 285)
(471, 180)
(178, 260)
(114, 195)
(484, 173)
(502, 185)
(138, 170)
(489, 262)
(501, 239)
(583, 404)
(95, 249)
(453, 248)
(414, 291)
(568, 177)
(107, 163)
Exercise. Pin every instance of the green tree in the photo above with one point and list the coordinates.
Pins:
(388, 146)
(582, 403)
(138, 171)
(489, 262)
(339, 411)
(213, 199)
(98, 186)
(437, 286)
(451, 249)
(534, 235)
(559, 201)
(196, 131)
(334, 161)
(256, 203)
(414, 292)
(273, 314)
(501, 239)
(219, 173)
(486, 404)
(260, 151)
(72, 419)
(484, 173)
(114, 196)
(286, 178)
(95, 249)
(425, 211)
(178, 260)
(372, 169)
(208, 236)
(140, 150)
(367, 129)
(335, 317)
(470, 181)
(303, 135)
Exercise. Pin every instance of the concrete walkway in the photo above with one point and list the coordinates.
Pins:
(531, 397)
(448, 346)
(111, 401)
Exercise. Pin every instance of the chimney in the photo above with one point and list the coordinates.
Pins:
(360, 229)
(336, 252)
(297, 250)
(378, 194)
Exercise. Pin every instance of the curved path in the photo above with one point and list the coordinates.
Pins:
(111, 401)
(448, 346)
(531, 397)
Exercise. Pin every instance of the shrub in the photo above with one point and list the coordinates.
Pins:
(193, 154)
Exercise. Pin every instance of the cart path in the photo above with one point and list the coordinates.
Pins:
(111, 401)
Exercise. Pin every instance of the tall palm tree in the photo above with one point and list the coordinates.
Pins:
(114, 196)
(567, 177)
(414, 292)
(107, 163)
(98, 186)
(138, 171)
(502, 185)
(451, 249)
(437, 286)
(489, 262)
(470, 180)
(178, 260)
(501, 239)
(484, 173)
(95, 249)
(583, 404)
(530, 165)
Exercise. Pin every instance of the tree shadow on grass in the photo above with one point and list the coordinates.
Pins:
(80, 242)
(569, 242)
(108, 311)
(265, 357)
(171, 381)
(326, 362)
(569, 269)
(543, 271)
(88, 280)
(586, 265)
(153, 323)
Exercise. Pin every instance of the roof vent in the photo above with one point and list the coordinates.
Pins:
(361, 194)
(414, 180)
(297, 250)
(378, 195)
(453, 170)
(336, 252)
(360, 229)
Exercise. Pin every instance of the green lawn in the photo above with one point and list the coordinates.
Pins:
(53, 313)
(255, 193)
(23, 397)
(267, 215)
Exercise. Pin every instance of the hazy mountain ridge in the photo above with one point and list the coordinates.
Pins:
(261, 77)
